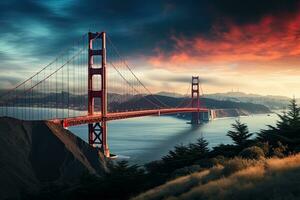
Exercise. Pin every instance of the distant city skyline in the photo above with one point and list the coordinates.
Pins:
(250, 45)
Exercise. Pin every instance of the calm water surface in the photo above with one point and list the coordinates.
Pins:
(149, 138)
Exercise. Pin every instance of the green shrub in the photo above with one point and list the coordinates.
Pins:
(265, 146)
(253, 152)
(218, 160)
(186, 171)
(297, 149)
(226, 150)
(236, 164)
(280, 151)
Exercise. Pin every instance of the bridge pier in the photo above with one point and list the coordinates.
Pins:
(98, 130)
(195, 103)
(205, 116)
(195, 118)
(98, 137)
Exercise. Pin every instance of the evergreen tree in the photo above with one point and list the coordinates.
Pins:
(180, 152)
(183, 156)
(293, 115)
(240, 133)
(287, 129)
(200, 148)
(289, 120)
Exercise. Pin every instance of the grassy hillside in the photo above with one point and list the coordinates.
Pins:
(236, 179)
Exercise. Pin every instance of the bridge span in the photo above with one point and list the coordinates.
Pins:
(97, 117)
(79, 81)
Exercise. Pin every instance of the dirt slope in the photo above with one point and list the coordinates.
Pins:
(37, 153)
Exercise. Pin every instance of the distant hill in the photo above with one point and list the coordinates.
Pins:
(247, 104)
(272, 102)
(137, 103)
(170, 94)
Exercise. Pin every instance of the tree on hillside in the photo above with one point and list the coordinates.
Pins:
(287, 129)
(177, 158)
(240, 133)
(293, 114)
(289, 120)
(191, 152)
(181, 156)
(199, 149)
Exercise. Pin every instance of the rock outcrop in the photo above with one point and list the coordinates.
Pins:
(35, 153)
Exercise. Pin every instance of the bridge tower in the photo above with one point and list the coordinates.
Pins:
(195, 103)
(97, 131)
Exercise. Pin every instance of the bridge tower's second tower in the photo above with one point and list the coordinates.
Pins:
(195, 103)
(97, 131)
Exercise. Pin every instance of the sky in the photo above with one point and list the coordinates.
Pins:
(251, 46)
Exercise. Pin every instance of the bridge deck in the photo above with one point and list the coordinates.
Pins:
(97, 117)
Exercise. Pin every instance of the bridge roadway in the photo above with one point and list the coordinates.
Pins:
(97, 117)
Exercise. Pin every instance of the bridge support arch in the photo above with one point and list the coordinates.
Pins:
(97, 131)
(195, 103)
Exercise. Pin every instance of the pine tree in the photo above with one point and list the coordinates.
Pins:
(293, 115)
(288, 124)
(183, 156)
(287, 129)
(200, 148)
(240, 133)
(180, 152)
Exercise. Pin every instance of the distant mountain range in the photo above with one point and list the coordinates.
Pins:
(243, 103)
(158, 100)
(272, 102)
(170, 94)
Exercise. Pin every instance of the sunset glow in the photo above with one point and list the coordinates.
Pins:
(262, 57)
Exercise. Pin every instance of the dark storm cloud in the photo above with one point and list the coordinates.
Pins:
(161, 20)
(252, 10)
(136, 26)
(19, 19)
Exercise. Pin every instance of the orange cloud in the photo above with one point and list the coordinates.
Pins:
(272, 43)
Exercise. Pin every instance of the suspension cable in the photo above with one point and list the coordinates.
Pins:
(127, 66)
(54, 72)
(133, 86)
(184, 97)
(37, 73)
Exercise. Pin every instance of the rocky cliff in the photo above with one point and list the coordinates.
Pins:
(36, 153)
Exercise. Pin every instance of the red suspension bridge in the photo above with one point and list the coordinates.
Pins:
(81, 87)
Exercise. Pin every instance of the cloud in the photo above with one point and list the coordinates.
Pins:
(8, 81)
(273, 39)
(171, 34)
(173, 78)
(136, 26)
(252, 11)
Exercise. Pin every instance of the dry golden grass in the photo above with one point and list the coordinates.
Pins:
(266, 179)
